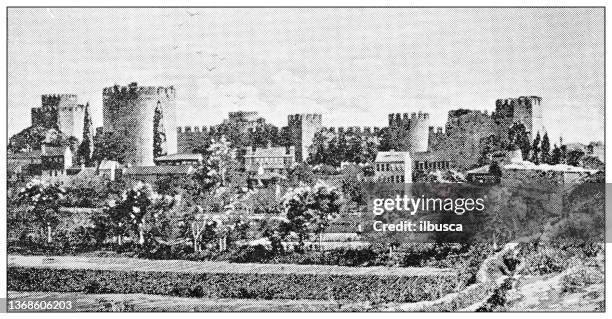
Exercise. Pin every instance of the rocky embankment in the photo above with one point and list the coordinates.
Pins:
(578, 288)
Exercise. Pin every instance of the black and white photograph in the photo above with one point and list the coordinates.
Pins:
(305, 159)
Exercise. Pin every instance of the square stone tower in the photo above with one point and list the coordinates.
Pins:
(302, 128)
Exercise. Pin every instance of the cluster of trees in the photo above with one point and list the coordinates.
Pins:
(32, 138)
(188, 213)
(148, 214)
(539, 150)
(308, 210)
(147, 218)
(236, 133)
(331, 148)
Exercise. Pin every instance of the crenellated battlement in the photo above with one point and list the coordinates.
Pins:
(49, 98)
(56, 101)
(352, 129)
(405, 119)
(133, 90)
(524, 101)
(466, 113)
(76, 108)
(204, 129)
(308, 117)
(436, 130)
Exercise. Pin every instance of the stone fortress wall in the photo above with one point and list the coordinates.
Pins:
(365, 130)
(459, 140)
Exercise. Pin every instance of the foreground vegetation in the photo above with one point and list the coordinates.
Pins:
(222, 280)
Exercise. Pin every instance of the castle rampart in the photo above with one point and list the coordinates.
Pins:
(363, 130)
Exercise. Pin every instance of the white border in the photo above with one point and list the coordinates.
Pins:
(3, 139)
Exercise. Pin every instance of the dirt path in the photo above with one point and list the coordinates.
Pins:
(144, 302)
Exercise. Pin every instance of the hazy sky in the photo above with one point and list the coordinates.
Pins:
(352, 65)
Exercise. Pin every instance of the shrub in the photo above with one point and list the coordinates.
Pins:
(542, 259)
(579, 277)
(323, 286)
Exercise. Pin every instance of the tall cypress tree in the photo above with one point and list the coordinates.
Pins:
(535, 150)
(159, 133)
(525, 146)
(555, 157)
(85, 150)
(563, 154)
(545, 149)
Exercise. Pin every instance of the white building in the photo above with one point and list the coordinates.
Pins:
(393, 167)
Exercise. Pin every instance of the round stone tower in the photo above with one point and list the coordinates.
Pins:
(129, 111)
(418, 132)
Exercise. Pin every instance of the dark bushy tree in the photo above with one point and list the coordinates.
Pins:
(137, 208)
(545, 157)
(333, 148)
(111, 146)
(535, 149)
(574, 157)
(489, 146)
(33, 137)
(43, 201)
(555, 157)
(495, 169)
(310, 210)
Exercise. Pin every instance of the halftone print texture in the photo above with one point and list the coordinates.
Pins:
(305, 159)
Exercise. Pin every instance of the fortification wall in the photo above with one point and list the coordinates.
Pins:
(129, 110)
(462, 136)
(365, 130)
(190, 136)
